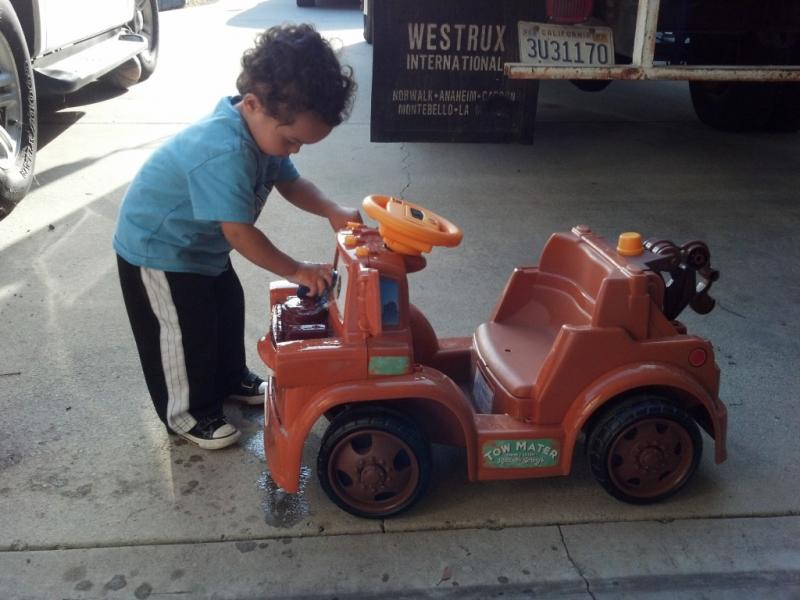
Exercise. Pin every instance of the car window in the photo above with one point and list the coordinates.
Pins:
(390, 302)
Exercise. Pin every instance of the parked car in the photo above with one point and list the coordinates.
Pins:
(56, 48)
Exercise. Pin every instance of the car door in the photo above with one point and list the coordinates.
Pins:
(68, 21)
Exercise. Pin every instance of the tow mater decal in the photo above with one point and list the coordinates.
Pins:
(520, 454)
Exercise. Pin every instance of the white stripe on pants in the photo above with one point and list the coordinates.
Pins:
(171, 342)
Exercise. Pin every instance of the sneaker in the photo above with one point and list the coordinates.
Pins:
(212, 433)
(251, 390)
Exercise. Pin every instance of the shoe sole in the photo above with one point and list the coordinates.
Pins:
(251, 400)
(215, 444)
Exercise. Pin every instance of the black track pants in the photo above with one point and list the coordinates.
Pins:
(189, 330)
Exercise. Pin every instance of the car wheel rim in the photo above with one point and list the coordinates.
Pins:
(10, 107)
(143, 21)
(651, 457)
(373, 471)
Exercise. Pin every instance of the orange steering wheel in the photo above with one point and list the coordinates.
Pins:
(408, 228)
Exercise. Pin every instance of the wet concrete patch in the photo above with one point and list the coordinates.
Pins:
(245, 547)
(282, 509)
(75, 573)
(117, 583)
(143, 591)
(189, 487)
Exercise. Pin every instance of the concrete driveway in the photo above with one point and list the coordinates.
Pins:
(98, 502)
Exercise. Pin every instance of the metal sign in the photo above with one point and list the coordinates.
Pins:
(438, 71)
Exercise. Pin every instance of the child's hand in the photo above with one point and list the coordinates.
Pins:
(339, 216)
(315, 276)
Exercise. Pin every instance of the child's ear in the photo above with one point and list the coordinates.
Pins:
(252, 103)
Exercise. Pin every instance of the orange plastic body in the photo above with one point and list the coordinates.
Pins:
(582, 329)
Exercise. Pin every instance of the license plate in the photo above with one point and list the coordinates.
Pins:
(482, 395)
(565, 45)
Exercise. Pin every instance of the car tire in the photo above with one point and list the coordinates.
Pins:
(734, 105)
(745, 105)
(18, 125)
(141, 66)
(644, 450)
(374, 462)
(150, 30)
(786, 115)
(369, 20)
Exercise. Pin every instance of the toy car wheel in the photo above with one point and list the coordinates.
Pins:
(644, 451)
(374, 464)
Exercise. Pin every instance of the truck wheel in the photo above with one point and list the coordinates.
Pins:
(147, 22)
(374, 464)
(786, 116)
(644, 451)
(734, 105)
(17, 111)
(141, 66)
(369, 19)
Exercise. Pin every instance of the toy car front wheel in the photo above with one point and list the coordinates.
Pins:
(374, 464)
(645, 450)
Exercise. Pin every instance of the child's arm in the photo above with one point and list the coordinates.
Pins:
(306, 196)
(251, 243)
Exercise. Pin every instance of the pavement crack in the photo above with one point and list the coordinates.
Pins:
(575, 565)
(729, 310)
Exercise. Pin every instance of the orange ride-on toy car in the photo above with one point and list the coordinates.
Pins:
(587, 342)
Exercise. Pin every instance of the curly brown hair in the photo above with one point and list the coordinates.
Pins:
(293, 69)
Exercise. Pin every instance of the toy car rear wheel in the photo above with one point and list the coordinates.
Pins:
(374, 464)
(644, 451)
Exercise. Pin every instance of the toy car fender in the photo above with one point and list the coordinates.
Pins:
(427, 386)
(644, 378)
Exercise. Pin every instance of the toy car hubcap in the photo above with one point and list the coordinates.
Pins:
(373, 470)
(650, 457)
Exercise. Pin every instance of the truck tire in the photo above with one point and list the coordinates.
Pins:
(150, 30)
(786, 115)
(141, 66)
(735, 105)
(374, 462)
(369, 20)
(644, 450)
(18, 118)
(746, 105)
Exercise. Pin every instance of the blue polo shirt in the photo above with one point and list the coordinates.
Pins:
(209, 173)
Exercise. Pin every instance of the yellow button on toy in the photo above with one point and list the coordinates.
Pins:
(630, 244)
(362, 251)
(350, 241)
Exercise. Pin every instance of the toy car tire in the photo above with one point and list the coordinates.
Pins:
(645, 450)
(374, 463)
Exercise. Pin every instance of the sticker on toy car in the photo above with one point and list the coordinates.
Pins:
(520, 454)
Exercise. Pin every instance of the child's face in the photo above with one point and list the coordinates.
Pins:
(277, 138)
